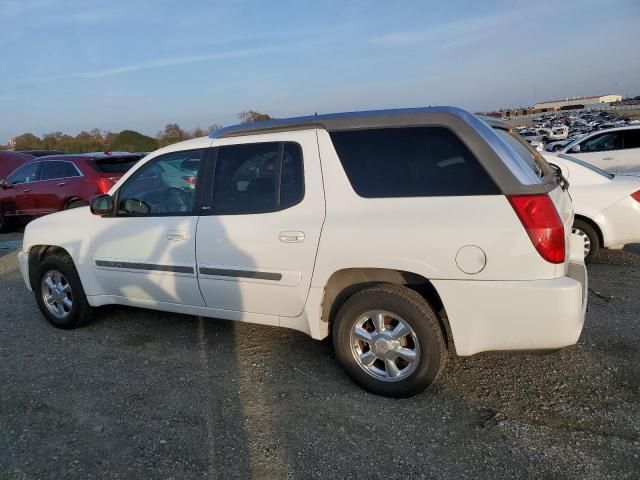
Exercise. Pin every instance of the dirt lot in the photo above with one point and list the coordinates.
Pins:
(141, 394)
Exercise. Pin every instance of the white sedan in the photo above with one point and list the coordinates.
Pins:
(607, 206)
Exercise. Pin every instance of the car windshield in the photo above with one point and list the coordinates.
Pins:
(536, 161)
(593, 168)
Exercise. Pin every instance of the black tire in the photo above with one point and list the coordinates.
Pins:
(3, 224)
(80, 312)
(592, 235)
(75, 204)
(557, 148)
(417, 314)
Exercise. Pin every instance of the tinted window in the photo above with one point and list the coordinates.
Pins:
(410, 162)
(52, 170)
(165, 185)
(257, 178)
(602, 142)
(116, 165)
(25, 174)
(632, 138)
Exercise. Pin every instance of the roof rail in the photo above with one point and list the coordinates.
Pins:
(337, 121)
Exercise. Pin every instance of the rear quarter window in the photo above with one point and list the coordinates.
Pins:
(410, 162)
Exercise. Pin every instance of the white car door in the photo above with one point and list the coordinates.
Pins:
(146, 249)
(257, 247)
(601, 150)
(629, 156)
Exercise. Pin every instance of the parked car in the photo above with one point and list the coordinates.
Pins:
(384, 229)
(607, 206)
(616, 150)
(50, 184)
(560, 144)
(10, 160)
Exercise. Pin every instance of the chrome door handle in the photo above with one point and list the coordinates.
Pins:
(607, 158)
(176, 235)
(62, 184)
(26, 190)
(291, 237)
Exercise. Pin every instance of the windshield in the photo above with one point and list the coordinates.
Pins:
(593, 168)
(537, 163)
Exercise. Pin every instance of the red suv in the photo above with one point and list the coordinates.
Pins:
(53, 183)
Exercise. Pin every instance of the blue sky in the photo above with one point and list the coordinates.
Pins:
(72, 65)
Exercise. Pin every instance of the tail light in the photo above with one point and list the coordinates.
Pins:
(190, 180)
(636, 196)
(542, 223)
(104, 184)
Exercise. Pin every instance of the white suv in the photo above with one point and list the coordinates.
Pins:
(401, 234)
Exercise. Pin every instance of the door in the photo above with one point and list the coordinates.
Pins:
(59, 181)
(146, 249)
(629, 156)
(257, 247)
(601, 150)
(16, 197)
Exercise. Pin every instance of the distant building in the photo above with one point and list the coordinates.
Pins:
(586, 101)
(12, 144)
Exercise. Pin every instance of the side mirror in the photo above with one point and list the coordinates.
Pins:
(575, 148)
(101, 205)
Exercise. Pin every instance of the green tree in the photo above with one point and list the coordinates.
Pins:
(172, 133)
(27, 141)
(132, 141)
(250, 116)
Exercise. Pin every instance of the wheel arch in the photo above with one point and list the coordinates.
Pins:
(594, 225)
(37, 253)
(344, 283)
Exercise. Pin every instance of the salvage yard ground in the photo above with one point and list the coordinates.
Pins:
(143, 394)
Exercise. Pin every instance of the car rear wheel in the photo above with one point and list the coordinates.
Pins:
(389, 341)
(557, 148)
(59, 293)
(590, 237)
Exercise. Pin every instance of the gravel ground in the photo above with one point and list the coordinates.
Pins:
(142, 394)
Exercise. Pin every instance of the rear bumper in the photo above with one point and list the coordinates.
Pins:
(23, 263)
(516, 315)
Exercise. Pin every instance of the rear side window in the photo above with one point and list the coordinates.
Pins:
(632, 138)
(52, 170)
(410, 162)
(257, 178)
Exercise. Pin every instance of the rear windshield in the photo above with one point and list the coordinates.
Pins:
(118, 165)
(536, 161)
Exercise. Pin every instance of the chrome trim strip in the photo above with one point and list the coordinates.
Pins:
(224, 272)
(143, 266)
(80, 174)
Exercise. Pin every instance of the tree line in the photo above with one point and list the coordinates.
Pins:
(97, 140)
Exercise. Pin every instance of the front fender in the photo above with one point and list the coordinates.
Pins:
(70, 231)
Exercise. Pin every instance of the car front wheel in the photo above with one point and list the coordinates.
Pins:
(389, 341)
(59, 293)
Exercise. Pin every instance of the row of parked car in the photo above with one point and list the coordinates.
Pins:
(554, 131)
(400, 234)
(38, 182)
